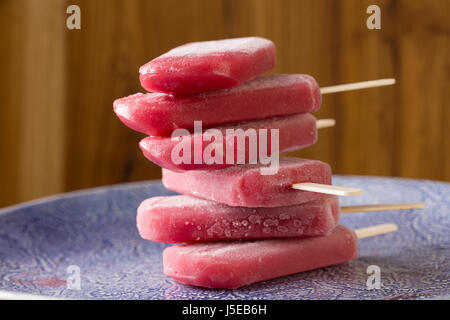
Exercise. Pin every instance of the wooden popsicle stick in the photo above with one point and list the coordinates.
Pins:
(325, 123)
(376, 230)
(357, 85)
(383, 207)
(327, 189)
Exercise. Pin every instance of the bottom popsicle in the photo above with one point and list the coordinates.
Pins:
(229, 265)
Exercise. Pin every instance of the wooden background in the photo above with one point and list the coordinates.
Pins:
(58, 131)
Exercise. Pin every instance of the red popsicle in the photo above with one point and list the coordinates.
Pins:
(188, 219)
(228, 265)
(158, 114)
(246, 186)
(295, 132)
(210, 65)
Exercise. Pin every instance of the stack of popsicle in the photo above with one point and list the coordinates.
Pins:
(240, 226)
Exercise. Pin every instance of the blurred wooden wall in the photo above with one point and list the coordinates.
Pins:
(58, 131)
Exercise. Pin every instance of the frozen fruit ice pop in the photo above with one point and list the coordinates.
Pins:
(158, 114)
(187, 219)
(295, 132)
(228, 265)
(209, 65)
(246, 186)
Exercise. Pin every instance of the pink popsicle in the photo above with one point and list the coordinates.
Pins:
(210, 65)
(158, 114)
(188, 219)
(246, 186)
(228, 265)
(295, 132)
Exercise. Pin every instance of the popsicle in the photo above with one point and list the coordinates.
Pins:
(228, 265)
(246, 186)
(209, 65)
(187, 219)
(158, 114)
(202, 150)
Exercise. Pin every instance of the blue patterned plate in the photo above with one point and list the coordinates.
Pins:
(44, 243)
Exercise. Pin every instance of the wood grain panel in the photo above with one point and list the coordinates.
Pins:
(10, 99)
(107, 52)
(366, 118)
(423, 125)
(43, 89)
(58, 131)
(35, 91)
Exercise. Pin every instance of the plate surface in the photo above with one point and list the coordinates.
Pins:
(95, 230)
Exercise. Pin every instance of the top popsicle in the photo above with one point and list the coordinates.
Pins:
(207, 66)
